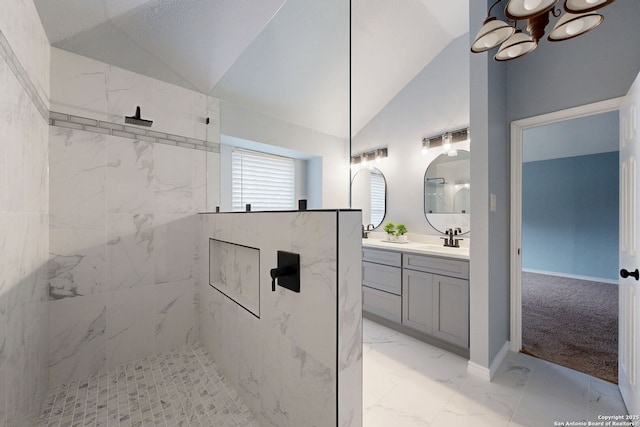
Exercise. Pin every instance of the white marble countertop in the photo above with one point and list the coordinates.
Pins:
(423, 248)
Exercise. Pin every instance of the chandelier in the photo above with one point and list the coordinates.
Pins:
(514, 42)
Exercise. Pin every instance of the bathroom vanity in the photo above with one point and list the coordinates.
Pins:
(420, 289)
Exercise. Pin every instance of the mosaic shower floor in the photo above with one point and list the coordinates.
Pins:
(180, 388)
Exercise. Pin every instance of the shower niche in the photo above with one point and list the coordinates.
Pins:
(234, 270)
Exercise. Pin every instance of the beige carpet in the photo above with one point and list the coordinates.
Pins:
(570, 322)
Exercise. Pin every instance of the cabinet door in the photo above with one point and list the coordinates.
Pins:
(382, 277)
(417, 300)
(451, 310)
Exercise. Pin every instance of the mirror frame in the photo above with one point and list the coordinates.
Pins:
(386, 192)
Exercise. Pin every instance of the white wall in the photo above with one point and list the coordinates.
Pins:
(24, 212)
(251, 126)
(435, 101)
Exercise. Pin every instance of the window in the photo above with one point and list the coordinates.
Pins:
(266, 182)
(378, 191)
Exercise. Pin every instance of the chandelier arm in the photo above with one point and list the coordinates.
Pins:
(492, 6)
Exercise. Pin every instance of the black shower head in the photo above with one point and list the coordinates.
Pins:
(136, 120)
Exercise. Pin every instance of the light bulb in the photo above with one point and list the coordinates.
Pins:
(446, 142)
(424, 150)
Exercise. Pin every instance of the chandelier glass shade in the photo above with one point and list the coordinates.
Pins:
(514, 42)
(572, 25)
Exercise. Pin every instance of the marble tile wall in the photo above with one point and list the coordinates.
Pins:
(286, 363)
(350, 319)
(123, 252)
(24, 208)
(84, 87)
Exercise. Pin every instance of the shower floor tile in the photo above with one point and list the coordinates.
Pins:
(180, 388)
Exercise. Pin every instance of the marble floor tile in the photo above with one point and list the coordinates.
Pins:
(178, 388)
(409, 383)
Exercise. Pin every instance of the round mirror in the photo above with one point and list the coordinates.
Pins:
(447, 189)
(369, 193)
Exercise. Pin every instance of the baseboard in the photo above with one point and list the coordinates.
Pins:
(571, 276)
(478, 371)
(488, 373)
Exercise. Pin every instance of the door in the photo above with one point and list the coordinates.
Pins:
(629, 289)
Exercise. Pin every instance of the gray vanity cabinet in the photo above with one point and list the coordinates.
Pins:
(428, 294)
(435, 297)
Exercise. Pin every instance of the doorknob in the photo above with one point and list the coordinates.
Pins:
(635, 274)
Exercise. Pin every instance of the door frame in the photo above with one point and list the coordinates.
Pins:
(517, 129)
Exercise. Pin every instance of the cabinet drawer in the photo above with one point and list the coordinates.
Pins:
(382, 257)
(444, 266)
(382, 277)
(383, 304)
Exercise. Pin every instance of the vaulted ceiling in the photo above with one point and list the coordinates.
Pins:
(287, 59)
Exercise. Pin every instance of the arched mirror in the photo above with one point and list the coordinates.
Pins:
(447, 189)
(369, 193)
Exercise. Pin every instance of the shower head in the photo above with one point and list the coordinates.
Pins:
(137, 120)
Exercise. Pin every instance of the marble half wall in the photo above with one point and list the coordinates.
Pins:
(301, 358)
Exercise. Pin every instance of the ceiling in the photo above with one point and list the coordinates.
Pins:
(287, 59)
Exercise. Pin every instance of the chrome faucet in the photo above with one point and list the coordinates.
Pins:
(450, 241)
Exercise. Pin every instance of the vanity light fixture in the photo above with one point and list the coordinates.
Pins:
(579, 18)
(445, 140)
(361, 160)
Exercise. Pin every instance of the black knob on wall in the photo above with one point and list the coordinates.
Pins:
(635, 274)
(287, 274)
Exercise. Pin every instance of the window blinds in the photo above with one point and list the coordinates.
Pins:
(265, 181)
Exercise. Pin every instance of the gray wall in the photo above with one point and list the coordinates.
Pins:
(599, 65)
(570, 216)
(594, 67)
(489, 294)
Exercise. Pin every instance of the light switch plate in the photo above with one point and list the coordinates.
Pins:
(492, 206)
